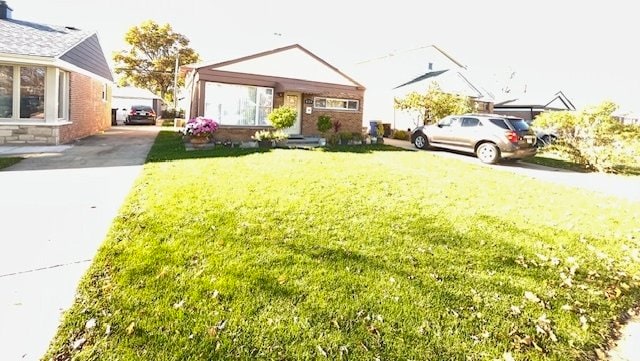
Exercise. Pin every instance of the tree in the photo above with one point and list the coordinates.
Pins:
(433, 105)
(151, 60)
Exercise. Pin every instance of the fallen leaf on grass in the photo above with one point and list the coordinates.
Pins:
(566, 308)
(130, 328)
(530, 296)
(78, 343)
(584, 323)
(90, 324)
(507, 356)
(321, 351)
(515, 310)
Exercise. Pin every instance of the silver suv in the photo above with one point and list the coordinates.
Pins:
(491, 137)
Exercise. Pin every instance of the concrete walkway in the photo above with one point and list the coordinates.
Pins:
(57, 206)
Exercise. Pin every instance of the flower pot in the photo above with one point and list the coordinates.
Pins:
(199, 140)
(265, 144)
(322, 142)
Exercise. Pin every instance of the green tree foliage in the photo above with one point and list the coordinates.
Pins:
(150, 61)
(433, 105)
(594, 138)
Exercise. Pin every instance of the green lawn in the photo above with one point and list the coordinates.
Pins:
(9, 161)
(355, 253)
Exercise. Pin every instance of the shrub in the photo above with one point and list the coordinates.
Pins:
(400, 134)
(172, 113)
(380, 129)
(324, 123)
(336, 126)
(283, 117)
(345, 137)
(593, 138)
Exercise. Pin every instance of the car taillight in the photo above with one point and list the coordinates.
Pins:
(512, 136)
(132, 112)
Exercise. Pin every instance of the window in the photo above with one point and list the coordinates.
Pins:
(63, 95)
(6, 91)
(500, 123)
(336, 104)
(447, 121)
(470, 122)
(32, 92)
(104, 92)
(231, 104)
(519, 124)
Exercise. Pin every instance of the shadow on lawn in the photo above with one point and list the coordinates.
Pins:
(169, 146)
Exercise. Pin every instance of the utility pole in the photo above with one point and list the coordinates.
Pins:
(175, 85)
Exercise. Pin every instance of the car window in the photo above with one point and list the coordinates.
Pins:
(445, 122)
(470, 122)
(141, 107)
(499, 122)
(519, 124)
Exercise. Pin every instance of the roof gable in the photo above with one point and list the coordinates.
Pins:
(88, 55)
(293, 62)
(27, 38)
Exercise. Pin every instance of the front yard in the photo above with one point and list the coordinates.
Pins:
(357, 253)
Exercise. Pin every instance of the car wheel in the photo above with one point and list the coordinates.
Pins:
(421, 141)
(488, 153)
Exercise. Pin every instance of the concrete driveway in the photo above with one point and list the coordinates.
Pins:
(57, 206)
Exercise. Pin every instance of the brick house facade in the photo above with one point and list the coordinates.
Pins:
(53, 90)
(240, 93)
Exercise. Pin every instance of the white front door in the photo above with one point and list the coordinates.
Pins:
(294, 100)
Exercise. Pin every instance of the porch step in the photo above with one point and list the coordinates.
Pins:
(304, 141)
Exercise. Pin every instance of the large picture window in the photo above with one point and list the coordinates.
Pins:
(231, 104)
(32, 92)
(336, 104)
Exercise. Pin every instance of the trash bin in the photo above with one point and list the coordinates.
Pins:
(373, 128)
(387, 129)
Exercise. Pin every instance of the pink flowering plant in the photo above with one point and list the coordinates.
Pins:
(200, 127)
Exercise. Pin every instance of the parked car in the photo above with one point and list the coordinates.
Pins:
(141, 114)
(491, 137)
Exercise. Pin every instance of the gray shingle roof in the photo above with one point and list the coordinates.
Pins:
(27, 38)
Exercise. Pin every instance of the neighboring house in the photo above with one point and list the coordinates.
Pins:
(240, 93)
(54, 83)
(627, 118)
(528, 106)
(124, 97)
(397, 74)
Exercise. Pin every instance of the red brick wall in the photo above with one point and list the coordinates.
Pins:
(87, 111)
(351, 121)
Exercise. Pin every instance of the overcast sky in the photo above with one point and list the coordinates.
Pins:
(589, 50)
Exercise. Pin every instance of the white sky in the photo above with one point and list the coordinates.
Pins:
(589, 50)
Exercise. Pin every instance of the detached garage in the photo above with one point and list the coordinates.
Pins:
(125, 97)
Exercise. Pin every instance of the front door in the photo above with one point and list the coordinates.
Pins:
(294, 100)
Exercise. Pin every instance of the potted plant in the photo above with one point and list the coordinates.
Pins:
(282, 118)
(356, 138)
(200, 130)
(264, 138)
(324, 124)
(280, 138)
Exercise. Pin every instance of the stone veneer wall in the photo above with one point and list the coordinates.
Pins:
(28, 134)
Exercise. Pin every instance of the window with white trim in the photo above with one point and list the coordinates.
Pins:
(63, 95)
(231, 104)
(336, 104)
